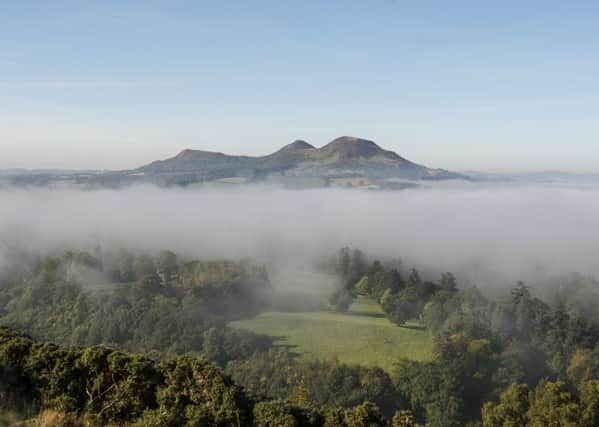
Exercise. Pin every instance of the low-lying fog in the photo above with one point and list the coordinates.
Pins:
(486, 234)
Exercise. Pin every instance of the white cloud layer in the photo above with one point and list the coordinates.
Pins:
(490, 235)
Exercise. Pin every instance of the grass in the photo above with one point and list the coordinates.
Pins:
(363, 335)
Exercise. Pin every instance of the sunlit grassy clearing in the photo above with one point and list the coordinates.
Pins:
(361, 336)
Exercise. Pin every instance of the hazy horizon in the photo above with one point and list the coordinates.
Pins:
(144, 154)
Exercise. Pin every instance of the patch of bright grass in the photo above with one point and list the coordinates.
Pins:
(362, 336)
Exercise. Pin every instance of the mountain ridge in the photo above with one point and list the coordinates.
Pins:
(348, 146)
(345, 161)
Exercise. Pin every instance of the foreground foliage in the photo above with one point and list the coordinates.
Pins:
(100, 386)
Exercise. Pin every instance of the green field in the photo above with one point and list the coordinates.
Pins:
(363, 335)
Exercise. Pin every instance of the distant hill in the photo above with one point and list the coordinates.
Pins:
(346, 161)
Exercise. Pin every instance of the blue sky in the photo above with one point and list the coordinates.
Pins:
(461, 85)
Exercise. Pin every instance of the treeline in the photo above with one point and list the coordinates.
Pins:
(484, 347)
(100, 386)
(400, 298)
(156, 305)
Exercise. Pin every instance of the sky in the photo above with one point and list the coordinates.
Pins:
(491, 86)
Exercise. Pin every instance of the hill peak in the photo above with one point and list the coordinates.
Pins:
(297, 145)
(350, 148)
(352, 140)
(189, 154)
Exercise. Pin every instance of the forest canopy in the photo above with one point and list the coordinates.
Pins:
(133, 332)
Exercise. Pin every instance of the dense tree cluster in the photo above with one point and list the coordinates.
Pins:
(100, 386)
(549, 404)
(349, 266)
(483, 346)
(156, 305)
(279, 374)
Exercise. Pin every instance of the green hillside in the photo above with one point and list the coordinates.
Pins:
(363, 335)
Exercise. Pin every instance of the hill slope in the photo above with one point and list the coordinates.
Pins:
(346, 161)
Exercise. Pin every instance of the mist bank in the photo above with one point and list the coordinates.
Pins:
(486, 234)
